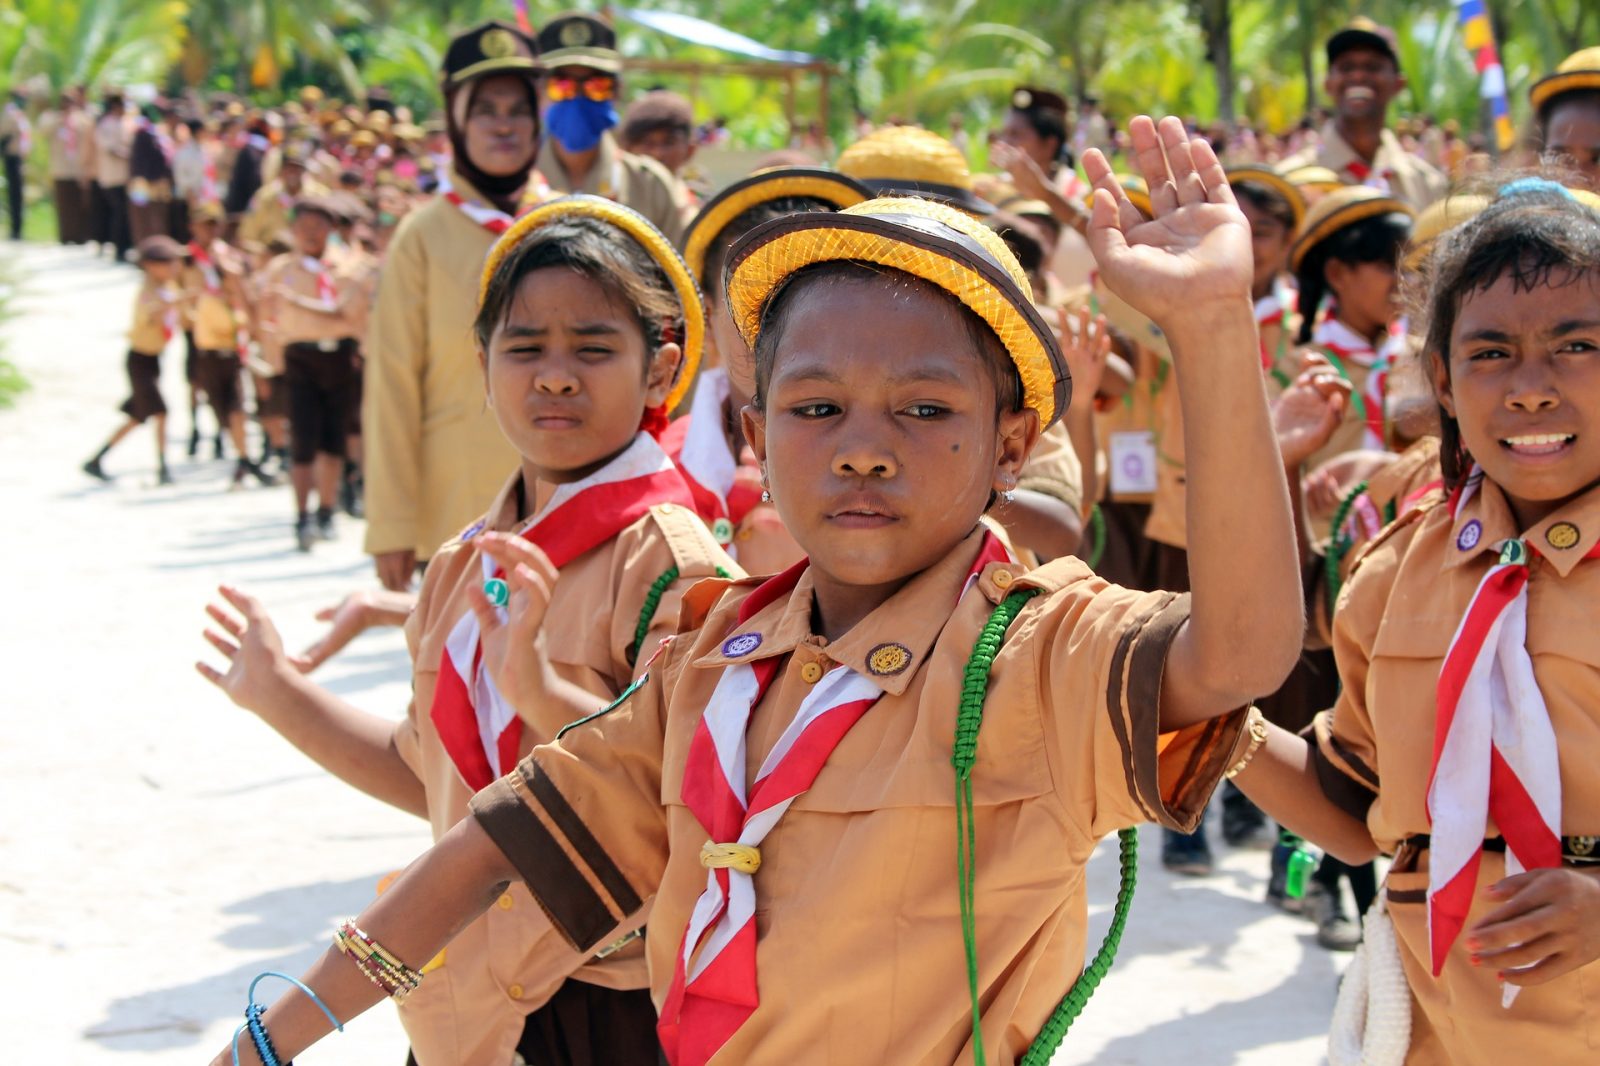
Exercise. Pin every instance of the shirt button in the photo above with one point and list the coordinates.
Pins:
(515, 991)
(506, 902)
(811, 673)
(665, 508)
(1002, 579)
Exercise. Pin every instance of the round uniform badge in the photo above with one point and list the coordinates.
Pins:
(497, 43)
(497, 592)
(1022, 99)
(576, 34)
(743, 644)
(1470, 535)
(886, 660)
(1563, 535)
(722, 530)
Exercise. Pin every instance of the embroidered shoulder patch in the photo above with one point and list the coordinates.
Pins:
(886, 660)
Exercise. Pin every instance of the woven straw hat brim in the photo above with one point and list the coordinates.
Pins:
(1275, 181)
(650, 238)
(906, 235)
(780, 184)
(1348, 215)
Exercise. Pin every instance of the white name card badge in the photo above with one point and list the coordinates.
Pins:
(1133, 463)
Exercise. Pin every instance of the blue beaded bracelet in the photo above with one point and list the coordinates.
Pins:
(258, 1030)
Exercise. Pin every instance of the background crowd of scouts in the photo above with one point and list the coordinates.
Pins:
(317, 265)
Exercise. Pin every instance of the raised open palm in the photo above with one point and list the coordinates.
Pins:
(1197, 247)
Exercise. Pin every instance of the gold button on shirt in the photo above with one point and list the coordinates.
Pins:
(811, 673)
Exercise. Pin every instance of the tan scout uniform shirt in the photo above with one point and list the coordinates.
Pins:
(271, 209)
(70, 135)
(1410, 178)
(637, 181)
(1394, 622)
(434, 454)
(214, 320)
(113, 138)
(295, 324)
(470, 1010)
(148, 334)
(860, 955)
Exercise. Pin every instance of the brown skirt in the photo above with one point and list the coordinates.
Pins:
(586, 1025)
(144, 378)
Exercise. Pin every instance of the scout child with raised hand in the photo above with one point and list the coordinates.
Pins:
(708, 442)
(596, 532)
(779, 788)
(157, 318)
(1464, 739)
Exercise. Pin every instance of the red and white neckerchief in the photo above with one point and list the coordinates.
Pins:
(208, 267)
(1494, 751)
(1346, 345)
(493, 219)
(169, 316)
(1369, 175)
(714, 987)
(209, 192)
(711, 469)
(1272, 310)
(327, 292)
(479, 730)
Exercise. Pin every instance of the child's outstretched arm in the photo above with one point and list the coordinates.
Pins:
(447, 887)
(352, 744)
(1189, 270)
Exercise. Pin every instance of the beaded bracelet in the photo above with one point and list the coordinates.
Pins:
(258, 1029)
(381, 967)
(1256, 726)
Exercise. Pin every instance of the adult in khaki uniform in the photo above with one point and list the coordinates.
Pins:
(1363, 77)
(582, 154)
(113, 136)
(434, 455)
(69, 133)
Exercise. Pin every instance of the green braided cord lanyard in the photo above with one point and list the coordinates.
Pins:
(652, 602)
(1097, 536)
(974, 687)
(1339, 542)
(1358, 402)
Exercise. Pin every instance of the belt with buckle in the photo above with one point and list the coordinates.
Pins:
(1578, 850)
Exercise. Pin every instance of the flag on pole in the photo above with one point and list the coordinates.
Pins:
(1477, 33)
(524, 23)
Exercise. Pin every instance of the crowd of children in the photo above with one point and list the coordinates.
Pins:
(868, 543)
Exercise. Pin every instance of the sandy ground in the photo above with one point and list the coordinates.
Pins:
(159, 847)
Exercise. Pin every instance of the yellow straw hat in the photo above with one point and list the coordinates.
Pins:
(1137, 191)
(1337, 210)
(1271, 179)
(928, 240)
(913, 162)
(1580, 70)
(1314, 180)
(1437, 219)
(648, 237)
(762, 187)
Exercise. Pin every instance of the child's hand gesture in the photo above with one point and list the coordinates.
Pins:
(1086, 344)
(512, 649)
(1547, 926)
(1195, 253)
(257, 664)
(1308, 413)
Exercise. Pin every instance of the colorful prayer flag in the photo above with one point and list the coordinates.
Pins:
(1477, 32)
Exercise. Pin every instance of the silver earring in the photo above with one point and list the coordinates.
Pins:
(1008, 496)
(766, 497)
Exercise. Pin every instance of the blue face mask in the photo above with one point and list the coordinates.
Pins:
(577, 124)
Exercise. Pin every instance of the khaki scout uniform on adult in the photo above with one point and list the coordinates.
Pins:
(1392, 169)
(1396, 618)
(639, 182)
(272, 207)
(873, 834)
(471, 1009)
(434, 455)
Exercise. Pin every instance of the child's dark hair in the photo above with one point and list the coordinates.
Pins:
(742, 223)
(1379, 239)
(1537, 234)
(1267, 200)
(774, 319)
(604, 254)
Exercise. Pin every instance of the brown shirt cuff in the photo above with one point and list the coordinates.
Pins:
(1347, 780)
(569, 873)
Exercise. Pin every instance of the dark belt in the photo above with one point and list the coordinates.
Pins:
(1577, 850)
(320, 346)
